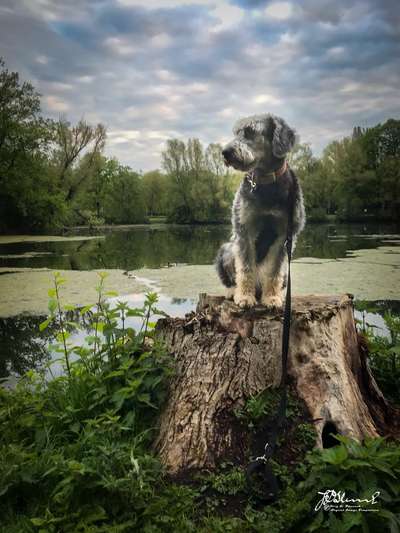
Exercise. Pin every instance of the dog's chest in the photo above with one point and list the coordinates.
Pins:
(263, 202)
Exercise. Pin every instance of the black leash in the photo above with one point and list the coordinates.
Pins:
(260, 468)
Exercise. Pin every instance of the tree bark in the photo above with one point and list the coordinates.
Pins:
(224, 355)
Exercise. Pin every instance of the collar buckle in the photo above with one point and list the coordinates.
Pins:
(255, 180)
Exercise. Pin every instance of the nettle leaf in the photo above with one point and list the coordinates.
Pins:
(135, 312)
(91, 339)
(63, 335)
(394, 486)
(73, 325)
(114, 373)
(43, 325)
(145, 398)
(350, 520)
(157, 311)
(40, 437)
(384, 468)
(335, 524)
(52, 305)
(111, 293)
(391, 518)
(354, 463)
(75, 427)
(100, 326)
(130, 332)
(120, 396)
(95, 514)
(317, 523)
(335, 455)
(38, 521)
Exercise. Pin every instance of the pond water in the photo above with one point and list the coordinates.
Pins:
(177, 261)
(155, 246)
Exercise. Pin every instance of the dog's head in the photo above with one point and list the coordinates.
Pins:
(260, 141)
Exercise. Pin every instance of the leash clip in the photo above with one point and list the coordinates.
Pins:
(252, 182)
(263, 458)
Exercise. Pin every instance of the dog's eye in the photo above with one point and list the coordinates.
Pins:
(248, 133)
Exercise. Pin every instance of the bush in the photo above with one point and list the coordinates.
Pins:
(75, 450)
(317, 214)
(383, 352)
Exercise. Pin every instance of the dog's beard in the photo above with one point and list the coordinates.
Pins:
(242, 158)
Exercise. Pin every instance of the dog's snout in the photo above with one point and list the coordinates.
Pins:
(227, 154)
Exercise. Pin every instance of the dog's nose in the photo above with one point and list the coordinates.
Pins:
(227, 154)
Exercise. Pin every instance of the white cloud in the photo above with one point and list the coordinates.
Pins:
(154, 4)
(42, 59)
(161, 40)
(227, 15)
(256, 50)
(289, 38)
(227, 112)
(196, 87)
(157, 135)
(336, 52)
(266, 99)
(85, 79)
(59, 86)
(54, 103)
(120, 46)
(165, 75)
(279, 10)
(118, 136)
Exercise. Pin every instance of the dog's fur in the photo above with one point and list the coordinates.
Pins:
(254, 264)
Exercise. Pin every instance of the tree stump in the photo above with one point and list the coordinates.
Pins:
(225, 354)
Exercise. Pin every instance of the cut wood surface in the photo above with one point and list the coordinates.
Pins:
(224, 355)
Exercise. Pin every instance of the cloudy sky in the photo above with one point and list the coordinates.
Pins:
(155, 69)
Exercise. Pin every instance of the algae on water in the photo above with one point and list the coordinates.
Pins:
(372, 274)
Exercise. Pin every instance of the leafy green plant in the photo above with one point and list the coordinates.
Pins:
(75, 449)
(383, 351)
(264, 405)
(230, 481)
(384, 357)
(359, 470)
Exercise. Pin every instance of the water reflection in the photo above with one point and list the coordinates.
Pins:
(158, 246)
(23, 347)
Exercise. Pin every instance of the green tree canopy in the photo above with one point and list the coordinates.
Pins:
(27, 191)
(199, 185)
(124, 200)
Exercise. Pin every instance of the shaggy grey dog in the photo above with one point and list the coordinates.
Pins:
(253, 265)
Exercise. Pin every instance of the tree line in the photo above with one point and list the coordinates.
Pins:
(54, 174)
(355, 178)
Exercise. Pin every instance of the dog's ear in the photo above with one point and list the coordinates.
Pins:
(283, 137)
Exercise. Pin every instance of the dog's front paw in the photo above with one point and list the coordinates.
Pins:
(230, 293)
(272, 301)
(244, 300)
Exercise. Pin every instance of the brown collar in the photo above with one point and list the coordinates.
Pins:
(256, 179)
